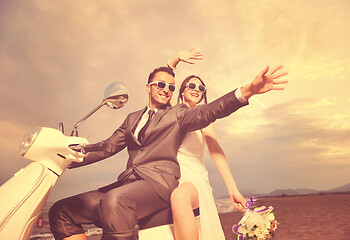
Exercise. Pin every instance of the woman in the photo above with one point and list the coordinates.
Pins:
(194, 189)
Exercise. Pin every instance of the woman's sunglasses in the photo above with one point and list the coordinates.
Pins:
(162, 85)
(194, 86)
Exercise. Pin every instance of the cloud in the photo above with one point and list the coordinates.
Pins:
(11, 132)
(56, 58)
(293, 140)
(10, 138)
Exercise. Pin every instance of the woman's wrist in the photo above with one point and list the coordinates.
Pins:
(232, 188)
(170, 65)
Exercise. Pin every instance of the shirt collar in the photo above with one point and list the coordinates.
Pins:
(155, 110)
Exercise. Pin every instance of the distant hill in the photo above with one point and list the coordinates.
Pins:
(298, 191)
(344, 188)
(289, 191)
(302, 191)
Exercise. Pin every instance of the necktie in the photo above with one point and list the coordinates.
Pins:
(143, 130)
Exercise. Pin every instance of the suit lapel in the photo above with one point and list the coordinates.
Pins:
(135, 123)
(155, 120)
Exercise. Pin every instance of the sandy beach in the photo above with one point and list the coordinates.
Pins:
(311, 217)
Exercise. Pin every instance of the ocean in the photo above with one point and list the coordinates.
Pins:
(223, 205)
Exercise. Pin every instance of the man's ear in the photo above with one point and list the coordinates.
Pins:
(148, 88)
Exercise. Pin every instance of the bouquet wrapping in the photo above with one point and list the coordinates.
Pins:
(258, 224)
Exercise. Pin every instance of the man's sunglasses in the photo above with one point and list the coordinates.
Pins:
(162, 85)
(194, 86)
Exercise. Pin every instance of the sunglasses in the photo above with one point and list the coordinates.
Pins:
(162, 85)
(194, 86)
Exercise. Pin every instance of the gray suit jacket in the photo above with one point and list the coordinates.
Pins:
(155, 158)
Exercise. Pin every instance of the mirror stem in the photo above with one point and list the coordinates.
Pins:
(75, 131)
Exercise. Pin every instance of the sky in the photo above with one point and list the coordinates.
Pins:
(57, 58)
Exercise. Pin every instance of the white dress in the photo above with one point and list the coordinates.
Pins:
(193, 170)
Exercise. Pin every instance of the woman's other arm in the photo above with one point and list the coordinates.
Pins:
(219, 158)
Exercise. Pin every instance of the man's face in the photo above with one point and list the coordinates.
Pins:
(160, 97)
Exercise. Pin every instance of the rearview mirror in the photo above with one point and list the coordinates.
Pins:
(115, 97)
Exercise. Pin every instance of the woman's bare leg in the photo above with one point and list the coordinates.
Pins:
(183, 200)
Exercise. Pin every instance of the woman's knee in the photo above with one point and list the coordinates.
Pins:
(180, 198)
(184, 196)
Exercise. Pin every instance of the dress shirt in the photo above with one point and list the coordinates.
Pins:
(143, 121)
(240, 97)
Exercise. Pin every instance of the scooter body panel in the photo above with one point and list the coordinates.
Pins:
(22, 200)
(164, 232)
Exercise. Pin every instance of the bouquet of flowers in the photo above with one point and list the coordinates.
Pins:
(257, 224)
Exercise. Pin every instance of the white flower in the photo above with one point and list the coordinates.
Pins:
(267, 224)
(271, 217)
(260, 234)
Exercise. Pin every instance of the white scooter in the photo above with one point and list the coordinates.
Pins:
(24, 195)
(22, 198)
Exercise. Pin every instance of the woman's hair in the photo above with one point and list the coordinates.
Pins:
(183, 86)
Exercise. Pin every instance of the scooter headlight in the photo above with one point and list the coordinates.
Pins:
(28, 140)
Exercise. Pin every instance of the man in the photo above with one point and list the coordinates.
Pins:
(143, 189)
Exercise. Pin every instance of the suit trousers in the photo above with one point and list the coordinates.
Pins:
(117, 210)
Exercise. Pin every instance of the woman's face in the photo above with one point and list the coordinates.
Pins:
(192, 96)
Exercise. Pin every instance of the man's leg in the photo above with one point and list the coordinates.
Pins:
(67, 215)
(121, 208)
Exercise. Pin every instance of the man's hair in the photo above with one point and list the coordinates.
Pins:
(160, 69)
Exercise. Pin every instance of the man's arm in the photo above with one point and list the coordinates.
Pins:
(195, 118)
(198, 117)
(104, 149)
